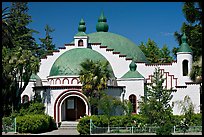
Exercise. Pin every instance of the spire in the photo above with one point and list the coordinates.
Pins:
(184, 45)
(102, 26)
(81, 28)
(132, 66)
(183, 38)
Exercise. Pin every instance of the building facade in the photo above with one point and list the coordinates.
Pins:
(58, 78)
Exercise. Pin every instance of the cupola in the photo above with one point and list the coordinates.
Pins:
(81, 39)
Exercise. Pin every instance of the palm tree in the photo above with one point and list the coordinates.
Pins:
(94, 77)
(7, 29)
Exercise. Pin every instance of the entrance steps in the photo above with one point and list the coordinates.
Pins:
(68, 125)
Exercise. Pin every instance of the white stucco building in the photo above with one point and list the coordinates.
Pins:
(58, 79)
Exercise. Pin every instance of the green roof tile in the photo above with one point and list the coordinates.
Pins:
(119, 44)
(69, 62)
(132, 73)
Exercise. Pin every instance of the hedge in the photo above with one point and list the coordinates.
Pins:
(37, 123)
(137, 120)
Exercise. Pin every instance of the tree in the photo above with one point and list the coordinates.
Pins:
(154, 54)
(192, 28)
(156, 105)
(108, 105)
(187, 109)
(94, 77)
(196, 72)
(46, 47)
(19, 60)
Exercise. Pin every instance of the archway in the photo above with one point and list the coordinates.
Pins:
(70, 105)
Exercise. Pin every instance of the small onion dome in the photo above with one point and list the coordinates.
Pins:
(132, 66)
(132, 73)
(81, 29)
(184, 45)
(102, 26)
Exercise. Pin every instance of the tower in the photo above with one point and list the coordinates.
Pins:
(81, 39)
(184, 61)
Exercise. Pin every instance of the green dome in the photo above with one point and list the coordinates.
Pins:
(132, 73)
(34, 77)
(184, 45)
(119, 44)
(132, 66)
(102, 26)
(69, 62)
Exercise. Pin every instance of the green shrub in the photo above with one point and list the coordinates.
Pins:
(37, 123)
(83, 127)
(165, 129)
(139, 120)
(197, 119)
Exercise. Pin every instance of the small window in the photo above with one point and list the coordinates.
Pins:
(185, 67)
(132, 99)
(80, 43)
(25, 99)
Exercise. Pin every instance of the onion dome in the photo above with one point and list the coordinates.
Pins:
(132, 73)
(184, 45)
(81, 28)
(102, 26)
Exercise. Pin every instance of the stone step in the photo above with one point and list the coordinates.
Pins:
(68, 125)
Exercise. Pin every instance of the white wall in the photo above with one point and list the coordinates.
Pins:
(193, 91)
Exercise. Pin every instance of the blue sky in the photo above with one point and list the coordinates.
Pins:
(137, 21)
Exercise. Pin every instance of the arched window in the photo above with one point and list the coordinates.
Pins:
(80, 43)
(185, 67)
(25, 99)
(132, 99)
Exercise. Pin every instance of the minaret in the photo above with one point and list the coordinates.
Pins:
(102, 26)
(184, 60)
(81, 39)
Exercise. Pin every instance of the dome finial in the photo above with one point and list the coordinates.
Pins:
(184, 45)
(132, 66)
(82, 27)
(183, 38)
(102, 26)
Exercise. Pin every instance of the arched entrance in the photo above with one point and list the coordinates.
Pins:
(73, 108)
(70, 105)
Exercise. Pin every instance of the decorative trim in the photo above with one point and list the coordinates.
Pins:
(181, 86)
(50, 54)
(115, 52)
(56, 51)
(109, 49)
(68, 44)
(167, 74)
(62, 47)
(95, 44)
(128, 58)
(103, 46)
(75, 79)
(64, 87)
(57, 80)
(122, 55)
(191, 83)
(64, 80)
